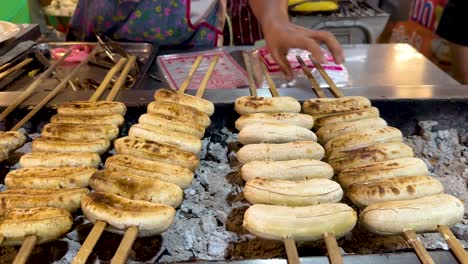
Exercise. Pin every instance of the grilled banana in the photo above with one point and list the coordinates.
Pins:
(47, 223)
(265, 132)
(68, 199)
(85, 108)
(159, 170)
(137, 187)
(150, 150)
(49, 178)
(283, 151)
(420, 215)
(55, 159)
(184, 112)
(292, 193)
(306, 223)
(383, 170)
(251, 105)
(121, 213)
(298, 119)
(291, 170)
(185, 99)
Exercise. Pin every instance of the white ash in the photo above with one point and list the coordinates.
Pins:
(446, 154)
(208, 225)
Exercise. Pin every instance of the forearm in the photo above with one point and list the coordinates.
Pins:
(267, 11)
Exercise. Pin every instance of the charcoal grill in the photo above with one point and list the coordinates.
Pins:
(405, 114)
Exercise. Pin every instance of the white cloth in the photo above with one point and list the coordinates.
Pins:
(200, 9)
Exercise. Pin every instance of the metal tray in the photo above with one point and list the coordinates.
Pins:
(145, 53)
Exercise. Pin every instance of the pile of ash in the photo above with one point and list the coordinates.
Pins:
(208, 224)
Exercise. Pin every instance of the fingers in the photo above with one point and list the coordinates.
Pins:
(332, 44)
(325, 37)
(280, 58)
(312, 46)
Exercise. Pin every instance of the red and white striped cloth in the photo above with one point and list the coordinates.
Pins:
(245, 27)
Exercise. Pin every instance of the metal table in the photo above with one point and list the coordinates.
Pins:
(379, 71)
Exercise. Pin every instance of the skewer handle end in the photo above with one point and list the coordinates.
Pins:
(332, 247)
(26, 249)
(125, 246)
(421, 252)
(453, 243)
(291, 250)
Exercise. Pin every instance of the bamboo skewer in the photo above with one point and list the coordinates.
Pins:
(187, 80)
(4, 66)
(1, 239)
(271, 83)
(453, 243)
(89, 243)
(26, 93)
(415, 243)
(409, 235)
(30, 241)
(122, 252)
(25, 250)
(332, 247)
(289, 243)
(121, 80)
(131, 234)
(315, 85)
(330, 240)
(53, 93)
(16, 67)
(291, 250)
(335, 90)
(249, 68)
(206, 78)
(102, 87)
(98, 228)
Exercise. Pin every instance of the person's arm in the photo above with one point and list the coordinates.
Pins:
(281, 35)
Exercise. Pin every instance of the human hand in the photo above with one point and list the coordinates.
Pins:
(280, 37)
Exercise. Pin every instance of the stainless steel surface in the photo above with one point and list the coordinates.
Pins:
(391, 65)
(388, 71)
(143, 97)
(27, 32)
(368, 66)
(444, 257)
(144, 51)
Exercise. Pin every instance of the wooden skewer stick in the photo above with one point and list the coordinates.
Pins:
(291, 250)
(102, 87)
(271, 83)
(89, 243)
(415, 243)
(332, 247)
(453, 243)
(249, 68)
(53, 93)
(1, 239)
(206, 78)
(121, 80)
(132, 232)
(26, 93)
(25, 250)
(187, 80)
(4, 66)
(125, 246)
(335, 90)
(289, 243)
(315, 85)
(92, 238)
(16, 67)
